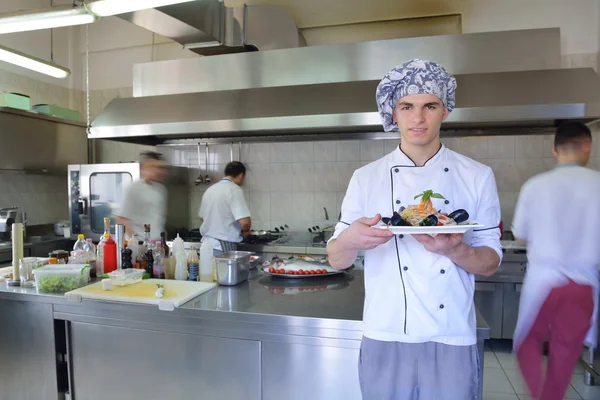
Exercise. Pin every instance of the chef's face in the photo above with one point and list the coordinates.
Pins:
(419, 117)
(154, 170)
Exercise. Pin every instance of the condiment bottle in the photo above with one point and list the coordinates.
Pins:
(110, 255)
(126, 256)
(150, 259)
(193, 264)
(206, 264)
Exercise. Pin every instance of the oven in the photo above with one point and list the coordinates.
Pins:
(96, 191)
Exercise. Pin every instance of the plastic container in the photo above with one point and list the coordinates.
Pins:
(126, 277)
(61, 278)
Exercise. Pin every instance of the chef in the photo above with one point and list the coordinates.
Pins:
(145, 201)
(419, 338)
(558, 216)
(224, 214)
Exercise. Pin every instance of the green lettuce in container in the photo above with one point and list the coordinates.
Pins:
(61, 278)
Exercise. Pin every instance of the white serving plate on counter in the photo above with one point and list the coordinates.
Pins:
(432, 230)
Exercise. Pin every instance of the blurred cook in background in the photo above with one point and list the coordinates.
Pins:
(145, 201)
(224, 214)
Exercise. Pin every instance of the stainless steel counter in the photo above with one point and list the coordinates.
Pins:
(272, 335)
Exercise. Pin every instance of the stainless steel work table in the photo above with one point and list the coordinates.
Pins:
(263, 339)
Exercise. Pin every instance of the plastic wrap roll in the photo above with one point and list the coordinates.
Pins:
(17, 248)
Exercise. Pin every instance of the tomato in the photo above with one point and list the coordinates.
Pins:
(324, 271)
(271, 270)
(282, 271)
(301, 272)
(439, 224)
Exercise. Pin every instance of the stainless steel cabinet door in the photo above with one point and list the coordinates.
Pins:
(300, 372)
(488, 300)
(512, 296)
(124, 363)
(28, 367)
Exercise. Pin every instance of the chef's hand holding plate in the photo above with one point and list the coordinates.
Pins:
(362, 236)
(441, 244)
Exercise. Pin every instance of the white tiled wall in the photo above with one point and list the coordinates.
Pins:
(291, 183)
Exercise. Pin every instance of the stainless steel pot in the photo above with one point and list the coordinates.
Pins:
(233, 267)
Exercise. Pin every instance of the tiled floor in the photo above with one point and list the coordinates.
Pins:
(502, 379)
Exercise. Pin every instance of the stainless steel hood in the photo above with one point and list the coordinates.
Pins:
(208, 27)
(264, 101)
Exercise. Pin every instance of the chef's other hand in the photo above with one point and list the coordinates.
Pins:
(362, 236)
(441, 243)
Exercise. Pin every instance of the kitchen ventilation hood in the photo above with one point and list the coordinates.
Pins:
(208, 27)
(329, 91)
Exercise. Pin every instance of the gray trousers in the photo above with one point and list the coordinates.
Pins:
(418, 371)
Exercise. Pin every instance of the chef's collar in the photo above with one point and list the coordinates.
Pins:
(400, 157)
(568, 164)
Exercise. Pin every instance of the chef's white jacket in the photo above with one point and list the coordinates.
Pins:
(223, 204)
(411, 294)
(558, 215)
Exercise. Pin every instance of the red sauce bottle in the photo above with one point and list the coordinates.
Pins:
(110, 255)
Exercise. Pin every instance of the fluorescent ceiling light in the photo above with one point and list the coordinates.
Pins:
(105, 8)
(55, 17)
(32, 63)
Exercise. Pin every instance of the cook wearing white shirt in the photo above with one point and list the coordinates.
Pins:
(558, 216)
(419, 317)
(224, 213)
(145, 201)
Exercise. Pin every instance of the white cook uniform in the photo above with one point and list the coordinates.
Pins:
(223, 204)
(558, 215)
(413, 295)
(145, 203)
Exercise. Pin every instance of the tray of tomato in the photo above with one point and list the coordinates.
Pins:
(301, 273)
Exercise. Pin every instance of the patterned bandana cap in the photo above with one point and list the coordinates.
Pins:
(413, 77)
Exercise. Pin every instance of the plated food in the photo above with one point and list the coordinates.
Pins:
(424, 214)
(417, 218)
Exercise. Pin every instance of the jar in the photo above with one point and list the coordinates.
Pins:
(26, 267)
(60, 255)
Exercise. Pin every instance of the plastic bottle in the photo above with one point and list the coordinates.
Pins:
(206, 262)
(181, 273)
(132, 244)
(140, 261)
(89, 247)
(79, 246)
(193, 264)
(180, 259)
(100, 255)
(158, 252)
(110, 255)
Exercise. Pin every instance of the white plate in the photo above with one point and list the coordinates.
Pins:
(431, 230)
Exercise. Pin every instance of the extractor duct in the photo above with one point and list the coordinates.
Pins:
(208, 27)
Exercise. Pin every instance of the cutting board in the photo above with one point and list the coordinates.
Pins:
(175, 292)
